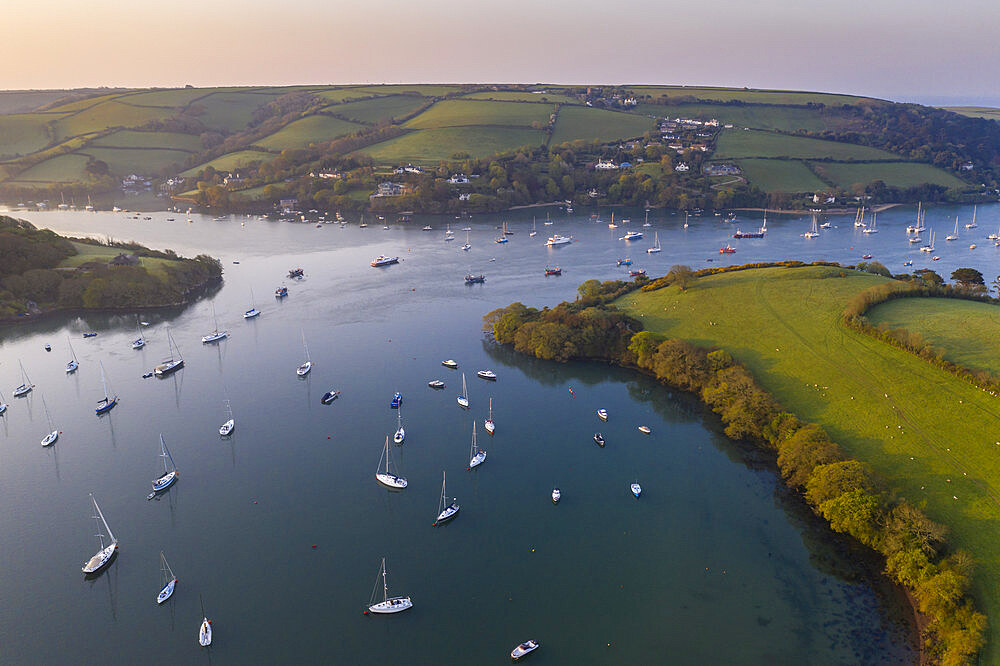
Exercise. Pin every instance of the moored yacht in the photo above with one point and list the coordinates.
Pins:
(556, 239)
(523, 649)
(103, 556)
(382, 260)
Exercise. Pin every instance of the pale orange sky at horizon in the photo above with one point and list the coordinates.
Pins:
(890, 49)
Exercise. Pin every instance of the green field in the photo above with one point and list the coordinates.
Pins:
(967, 331)
(428, 90)
(86, 252)
(59, 169)
(231, 161)
(173, 98)
(459, 113)
(231, 110)
(378, 109)
(24, 133)
(781, 175)
(133, 139)
(987, 112)
(758, 116)
(581, 122)
(108, 114)
(337, 95)
(524, 96)
(930, 434)
(23, 101)
(895, 174)
(435, 145)
(744, 95)
(146, 162)
(753, 143)
(86, 102)
(311, 129)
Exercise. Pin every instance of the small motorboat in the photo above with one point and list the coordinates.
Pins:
(625, 262)
(637, 273)
(397, 400)
(48, 348)
(523, 649)
(329, 397)
(475, 279)
(436, 384)
(645, 429)
(602, 414)
(138, 343)
(450, 364)
(866, 256)
(553, 271)
(147, 375)
(90, 335)
(382, 260)
(487, 374)
(296, 272)
(556, 495)
(599, 439)
(729, 249)
(636, 489)
(428, 228)
(281, 292)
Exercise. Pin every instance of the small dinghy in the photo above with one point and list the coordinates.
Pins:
(636, 489)
(523, 649)
(400, 434)
(602, 414)
(599, 439)
(446, 513)
(556, 495)
(436, 384)
(48, 347)
(645, 429)
(450, 364)
(329, 397)
(90, 335)
(487, 374)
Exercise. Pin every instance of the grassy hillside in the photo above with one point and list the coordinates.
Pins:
(311, 129)
(987, 112)
(752, 143)
(24, 133)
(746, 95)
(898, 174)
(133, 139)
(231, 161)
(758, 116)
(433, 145)
(379, 109)
(581, 123)
(516, 96)
(459, 113)
(968, 332)
(930, 434)
(781, 175)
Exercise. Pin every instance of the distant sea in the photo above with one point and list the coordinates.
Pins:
(953, 100)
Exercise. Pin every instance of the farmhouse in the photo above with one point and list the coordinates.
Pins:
(288, 205)
(603, 165)
(682, 167)
(125, 260)
(409, 168)
(459, 179)
(390, 189)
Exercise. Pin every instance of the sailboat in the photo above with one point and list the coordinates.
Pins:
(26, 385)
(468, 244)
(140, 341)
(227, 427)
(304, 369)
(547, 221)
(918, 227)
(687, 216)
(477, 456)
(216, 334)
(169, 476)
(954, 234)
(873, 229)
(103, 556)
(400, 433)
(3, 405)
(388, 604)
(73, 363)
(171, 364)
(930, 246)
(253, 311)
(972, 225)
(534, 229)
(387, 478)
(463, 399)
(636, 489)
(107, 403)
(611, 224)
(205, 630)
(53, 435)
(656, 244)
(446, 513)
(489, 425)
(502, 238)
(813, 232)
(363, 223)
(169, 580)
(859, 218)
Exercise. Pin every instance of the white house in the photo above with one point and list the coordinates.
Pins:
(603, 165)
(459, 179)
(682, 167)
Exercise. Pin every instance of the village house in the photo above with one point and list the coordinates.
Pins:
(721, 170)
(390, 189)
(409, 168)
(603, 165)
(459, 179)
(824, 198)
(288, 205)
(682, 167)
(125, 260)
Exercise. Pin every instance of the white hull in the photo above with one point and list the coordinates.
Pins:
(215, 337)
(556, 495)
(304, 369)
(523, 649)
(3, 407)
(250, 314)
(490, 426)
(50, 438)
(100, 559)
(636, 489)
(164, 481)
(477, 459)
(394, 605)
(23, 389)
(399, 436)
(166, 592)
(72, 366)
(447, 514)
(463, 401)
(227, 427)
(645, 429)
(391, 480)
(205, 633)
(138, 344)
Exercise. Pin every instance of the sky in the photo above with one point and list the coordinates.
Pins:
(911, 50)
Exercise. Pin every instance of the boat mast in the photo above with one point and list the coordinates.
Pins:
(101, 516)
(385, 582)
(71, 352)
(104, 383)
(304, 346)
(474, 448)
(47, 416)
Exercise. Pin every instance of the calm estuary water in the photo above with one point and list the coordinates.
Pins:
(714, 564)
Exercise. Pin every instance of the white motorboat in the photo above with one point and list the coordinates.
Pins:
(388, 604)
(103, 556)
(26, 385)
(556, 239)
(631, 236)
(382, 260)
(73, 363)
(227, 428)
(463, 399)
(169, 475)
(489, 425)
(446, 513)
(169, 580)
(523, 649)
(450, 364)
(556, 495)
(387, 478)
(400, 434)
(304, 369)
(486, 374)
(436, 384)
(53, 435)
(599, 439)
(644, 429)
(636, 489)
(602, 414)
(477, 456)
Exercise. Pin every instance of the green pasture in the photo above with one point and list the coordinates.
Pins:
(174, 98)
(458, 113)
(25, 133)
(744, 95)
(231, 161)
(781, 175)
(146, 162)
(434, 145)
(967, 331)
(308, 130)
(986, 112)
(86, 102)
(428, 90)
(736, 143)
(932, 436)
(337, 95)
(581, 122)
(757, 116)
(23, 101)
(59, 169)
(86, 252)
(134, 139)
(112, 113)
(896, 174)
(524, 96)
(231, 110)
(378, 109)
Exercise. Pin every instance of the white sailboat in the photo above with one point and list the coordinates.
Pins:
(73, 362)
(954, 234)
(387, 478)
(534, 228)
(930, 246)
(489, 425)
(3, 405)
(227, 428)
(611, 224)
(973, 225)
(477, 456)
(647, 223)
(917, 227)
(169, 580)
(169, 475)
(26, 385)
(468, 244)
(636, 489)
(304, 369)
(547, 221)
(813, 231)
(463, 398)
(205, 630)
(170, 364)
(107, 403)
(53, 435)
(446, 513)
(103, 556)
(140, 341)
(388, 604)
(656, 244)
(253, 311)
(400, 434)
(216, 334)
(873, 229)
